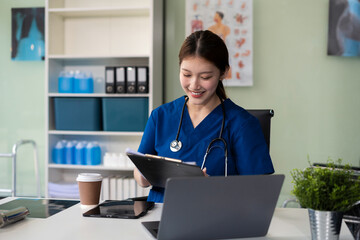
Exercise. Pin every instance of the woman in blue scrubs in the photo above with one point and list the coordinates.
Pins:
(205, 114)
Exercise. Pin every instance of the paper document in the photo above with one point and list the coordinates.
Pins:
(130, 151)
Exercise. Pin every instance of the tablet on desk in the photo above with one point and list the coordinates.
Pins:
(157, 169)
(129, 209)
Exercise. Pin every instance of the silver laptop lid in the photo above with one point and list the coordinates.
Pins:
(219, 207)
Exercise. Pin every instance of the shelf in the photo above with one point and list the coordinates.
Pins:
(94, 133)
(94, 33)
(96, 57)
(100, 12)
(102, 95)
(90, 35)
(88, 167)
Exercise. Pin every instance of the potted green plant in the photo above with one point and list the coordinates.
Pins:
(327, 192)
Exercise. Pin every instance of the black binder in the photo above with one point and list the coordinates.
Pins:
(109, 80)
(120, 77)
(142, 79)
(131, 80)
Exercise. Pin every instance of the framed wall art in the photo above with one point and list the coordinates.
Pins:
(27, 37)
(232, 21)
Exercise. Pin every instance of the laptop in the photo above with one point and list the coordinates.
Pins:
(217, 207)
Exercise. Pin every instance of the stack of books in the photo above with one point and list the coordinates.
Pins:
(63, 190)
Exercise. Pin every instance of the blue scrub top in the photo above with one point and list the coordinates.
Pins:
(248, 152)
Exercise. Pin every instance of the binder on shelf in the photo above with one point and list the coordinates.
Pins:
(126, 189)
(109, 80)
(131, 80)
(142, 79)
(120, 79)
(105, 189)
(120, 188)
(132, 188)
(113, 187)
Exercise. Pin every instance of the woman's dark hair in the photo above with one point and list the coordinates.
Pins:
(207, 45)
(220, 14)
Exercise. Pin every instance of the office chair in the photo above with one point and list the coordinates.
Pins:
(264, 116)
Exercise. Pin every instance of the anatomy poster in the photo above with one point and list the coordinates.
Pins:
(232, 21)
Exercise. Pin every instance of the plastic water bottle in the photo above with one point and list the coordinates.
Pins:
(74, 143)
(80, 153)
(64, 142)
(58, 153)
(114, 159)
(107, 160)
(79, 81)
(89, 82)
(93, 153)
(83, 82)
(122, 160)
(66, 82)
(88, 148)
(99, 85)
(69, 153)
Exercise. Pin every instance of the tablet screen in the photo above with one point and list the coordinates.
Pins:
(120, 209)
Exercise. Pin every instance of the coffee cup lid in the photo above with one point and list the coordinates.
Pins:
(89, 177)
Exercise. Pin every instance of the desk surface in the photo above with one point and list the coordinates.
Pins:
(287, 223)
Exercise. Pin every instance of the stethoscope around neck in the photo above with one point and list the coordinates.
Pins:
(176, 144)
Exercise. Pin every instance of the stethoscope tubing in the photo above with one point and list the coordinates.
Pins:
(181, 119)
(176, 145)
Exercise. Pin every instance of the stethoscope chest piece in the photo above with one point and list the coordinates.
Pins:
(175, 145)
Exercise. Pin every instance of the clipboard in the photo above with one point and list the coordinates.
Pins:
(158, 169)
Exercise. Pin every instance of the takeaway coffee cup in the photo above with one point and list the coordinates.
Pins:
(89, 188)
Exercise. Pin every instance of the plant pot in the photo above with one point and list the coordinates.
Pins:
(325, 225)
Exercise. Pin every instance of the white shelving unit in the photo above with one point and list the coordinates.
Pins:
(90, 35)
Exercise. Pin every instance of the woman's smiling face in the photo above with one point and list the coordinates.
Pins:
(199, 79)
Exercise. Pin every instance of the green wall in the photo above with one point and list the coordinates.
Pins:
(315, 97)
(22, 105)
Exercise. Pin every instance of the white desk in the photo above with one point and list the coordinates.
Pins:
(287, 223)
